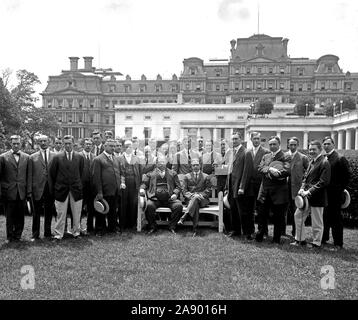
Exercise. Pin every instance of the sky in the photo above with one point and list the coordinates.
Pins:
(153, 37)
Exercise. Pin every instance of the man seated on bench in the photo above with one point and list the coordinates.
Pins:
(197, 191)
(163, 189)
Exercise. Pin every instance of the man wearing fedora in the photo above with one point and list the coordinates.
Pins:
(340, 173)
(314, 187)
(197, 191)
(14, 175)
(299, 164)
(39, 164)
(273, 195)
(65, 182)
(108, 180)
(163, 189)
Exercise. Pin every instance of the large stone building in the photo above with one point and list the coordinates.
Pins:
(259, 66)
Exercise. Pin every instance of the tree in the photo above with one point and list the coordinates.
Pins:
(304, 106)
(19, 113)
(348, 103)
(263, 106)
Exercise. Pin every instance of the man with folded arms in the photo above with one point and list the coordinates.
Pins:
(39, 164)
(197, 190)
(163, 188)
(273, 195)
(314, 187)
(65, 174)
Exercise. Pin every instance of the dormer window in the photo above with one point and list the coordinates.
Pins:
(329, 68)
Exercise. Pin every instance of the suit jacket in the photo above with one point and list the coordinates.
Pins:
(66, 176)
(107, 175)
(316, 180)
(137, 167)
(14, 176)
(149, 183)
(299, 164)
(181, 163)
(38, 173)
(87, 168)
(210, 160)
(101, 149)
(201, 186)
(150, 166)
(276, 188)
(254, 177)
(340, 172)
(238, 174)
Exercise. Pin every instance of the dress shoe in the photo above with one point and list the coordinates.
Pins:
(259, 237)
(34, 239)
(313, 246)
(195, 234)
(276, 241)
(336, 248)
(249, 237)
(151, 231)
(232, 234)
(297, 243)
(172, 231)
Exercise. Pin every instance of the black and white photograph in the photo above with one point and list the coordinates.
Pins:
(187, 155)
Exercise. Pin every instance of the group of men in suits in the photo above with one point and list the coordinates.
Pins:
(268, 181)
(259, 181)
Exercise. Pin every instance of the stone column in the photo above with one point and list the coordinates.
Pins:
(278, 133)
(181, 135)
(215, 134)
(198, 133)
(305, 140)
(348, 139)
(356, 140)
(340, 140)
(334, 136)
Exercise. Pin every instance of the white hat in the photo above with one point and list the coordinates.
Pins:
(347, 199)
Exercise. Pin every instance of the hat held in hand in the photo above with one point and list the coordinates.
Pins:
(101, 206)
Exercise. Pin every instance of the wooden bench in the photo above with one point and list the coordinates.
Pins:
(216, 208)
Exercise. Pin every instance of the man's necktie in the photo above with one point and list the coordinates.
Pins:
(69, 156)
(135, 152)
(97, 150)
(45, 159)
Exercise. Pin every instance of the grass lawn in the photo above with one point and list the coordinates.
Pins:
(166, 266)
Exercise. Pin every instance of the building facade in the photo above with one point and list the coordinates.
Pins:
(258, 67)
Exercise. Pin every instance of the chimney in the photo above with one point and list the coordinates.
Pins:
(284, 43)
(73, 63)
(88, 63)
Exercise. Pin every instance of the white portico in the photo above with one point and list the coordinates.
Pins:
(179, 120)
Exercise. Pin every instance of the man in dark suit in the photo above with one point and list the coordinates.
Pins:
(254, 177)
(133, 177)
(14, 174)
(235, 188)
(39, 164)
(298, 166)
(88, 194)
(197, 191)
(273, 194)
(163, 189)
(65, 182)
(314, 187)
(108, 180)
(340, 173)
(98, 146)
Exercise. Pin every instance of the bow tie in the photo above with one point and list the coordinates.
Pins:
(17, 153)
